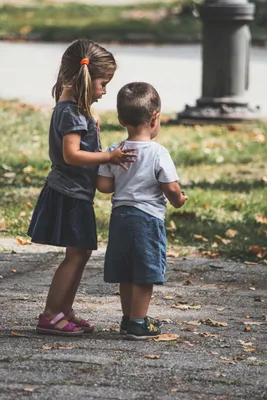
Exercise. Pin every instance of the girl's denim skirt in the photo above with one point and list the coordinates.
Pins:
(60, 220)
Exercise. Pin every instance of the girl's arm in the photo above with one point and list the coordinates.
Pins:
(73, 155)
(174, 194)
(105, 184)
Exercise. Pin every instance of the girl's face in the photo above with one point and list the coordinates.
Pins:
(99, 88)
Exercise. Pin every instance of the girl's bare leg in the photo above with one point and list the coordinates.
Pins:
(126, 297)
(65, 283)
(141, 296)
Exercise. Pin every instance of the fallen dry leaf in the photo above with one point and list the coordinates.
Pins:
(224, 241)
(152, 356)
(174, 390)
(245, 342)
(250, 263)
(196, 323)
(229, 360)
(261, 218)
(168, 297)
(254, 323)
(213, 323)
(28, 170)
(201, 237)
(22, 242)
(173, 254)
(28, 389)
(16, 334)
(172, 226)
(231, 233)
(247, 329)
(166, 337)
(187, 283)
(14, 270)
(58, 347)
(186, 307)
(249, 350)
(188, 329)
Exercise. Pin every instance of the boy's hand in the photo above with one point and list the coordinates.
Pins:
(119, 156)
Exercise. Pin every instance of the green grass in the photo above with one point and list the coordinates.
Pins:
(222, 169)
(159, 22)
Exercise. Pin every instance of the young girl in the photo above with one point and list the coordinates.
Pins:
(64, 214)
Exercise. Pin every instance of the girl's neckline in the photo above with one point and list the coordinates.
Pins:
(66, 101)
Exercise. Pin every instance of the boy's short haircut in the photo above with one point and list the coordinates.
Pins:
(137, 102)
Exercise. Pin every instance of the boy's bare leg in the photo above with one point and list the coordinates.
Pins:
(126, 297)
(65, 283)
(141, 296)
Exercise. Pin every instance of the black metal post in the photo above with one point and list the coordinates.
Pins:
(225, 74)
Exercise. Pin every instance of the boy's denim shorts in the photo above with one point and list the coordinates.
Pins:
(136, 249)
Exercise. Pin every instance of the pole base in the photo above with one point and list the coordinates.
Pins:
(222, 114)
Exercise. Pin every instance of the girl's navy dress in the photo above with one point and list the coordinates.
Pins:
(64, 214)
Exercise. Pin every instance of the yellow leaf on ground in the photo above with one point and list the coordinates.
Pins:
(166, 337)
(201, 237)
(22, 241)
(168, 297)
(231, 233)
(152, 356)
(28, 170)
(261, 218)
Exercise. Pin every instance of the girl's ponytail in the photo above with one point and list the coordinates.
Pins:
(83, 88)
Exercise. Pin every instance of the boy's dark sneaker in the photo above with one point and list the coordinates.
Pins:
(125, 322)
(142, 331)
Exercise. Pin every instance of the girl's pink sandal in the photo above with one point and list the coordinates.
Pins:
(83, 324)
(47, 326)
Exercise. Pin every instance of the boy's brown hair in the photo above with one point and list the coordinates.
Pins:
(79, 77)
(137, 102)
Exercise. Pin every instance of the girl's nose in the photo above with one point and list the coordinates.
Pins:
(104, 90)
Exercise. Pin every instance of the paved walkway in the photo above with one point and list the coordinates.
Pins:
(217, 309)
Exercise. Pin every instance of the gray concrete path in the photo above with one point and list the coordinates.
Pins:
(217, 308)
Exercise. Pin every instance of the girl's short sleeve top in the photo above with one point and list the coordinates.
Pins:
(77, 182)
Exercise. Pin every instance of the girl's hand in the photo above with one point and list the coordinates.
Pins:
(119, 156)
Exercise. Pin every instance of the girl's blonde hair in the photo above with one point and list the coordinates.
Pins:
(79, 76)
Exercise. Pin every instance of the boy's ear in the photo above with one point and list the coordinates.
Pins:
(154, 118)
(121, 122)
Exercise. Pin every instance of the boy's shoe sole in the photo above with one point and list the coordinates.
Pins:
(131, 336)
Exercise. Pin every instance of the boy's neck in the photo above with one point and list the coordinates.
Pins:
(139, 134)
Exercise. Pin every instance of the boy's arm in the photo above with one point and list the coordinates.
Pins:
(174, 194)
(105, 184)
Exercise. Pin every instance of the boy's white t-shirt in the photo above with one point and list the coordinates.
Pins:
(140, 185)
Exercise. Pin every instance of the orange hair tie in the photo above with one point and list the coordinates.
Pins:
(85, 61)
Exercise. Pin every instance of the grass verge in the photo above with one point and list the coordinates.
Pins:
(222, 169)
(159, 22)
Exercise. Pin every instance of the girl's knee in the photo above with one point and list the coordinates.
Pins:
(79, 255)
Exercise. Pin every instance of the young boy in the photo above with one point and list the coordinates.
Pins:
(136, 252)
